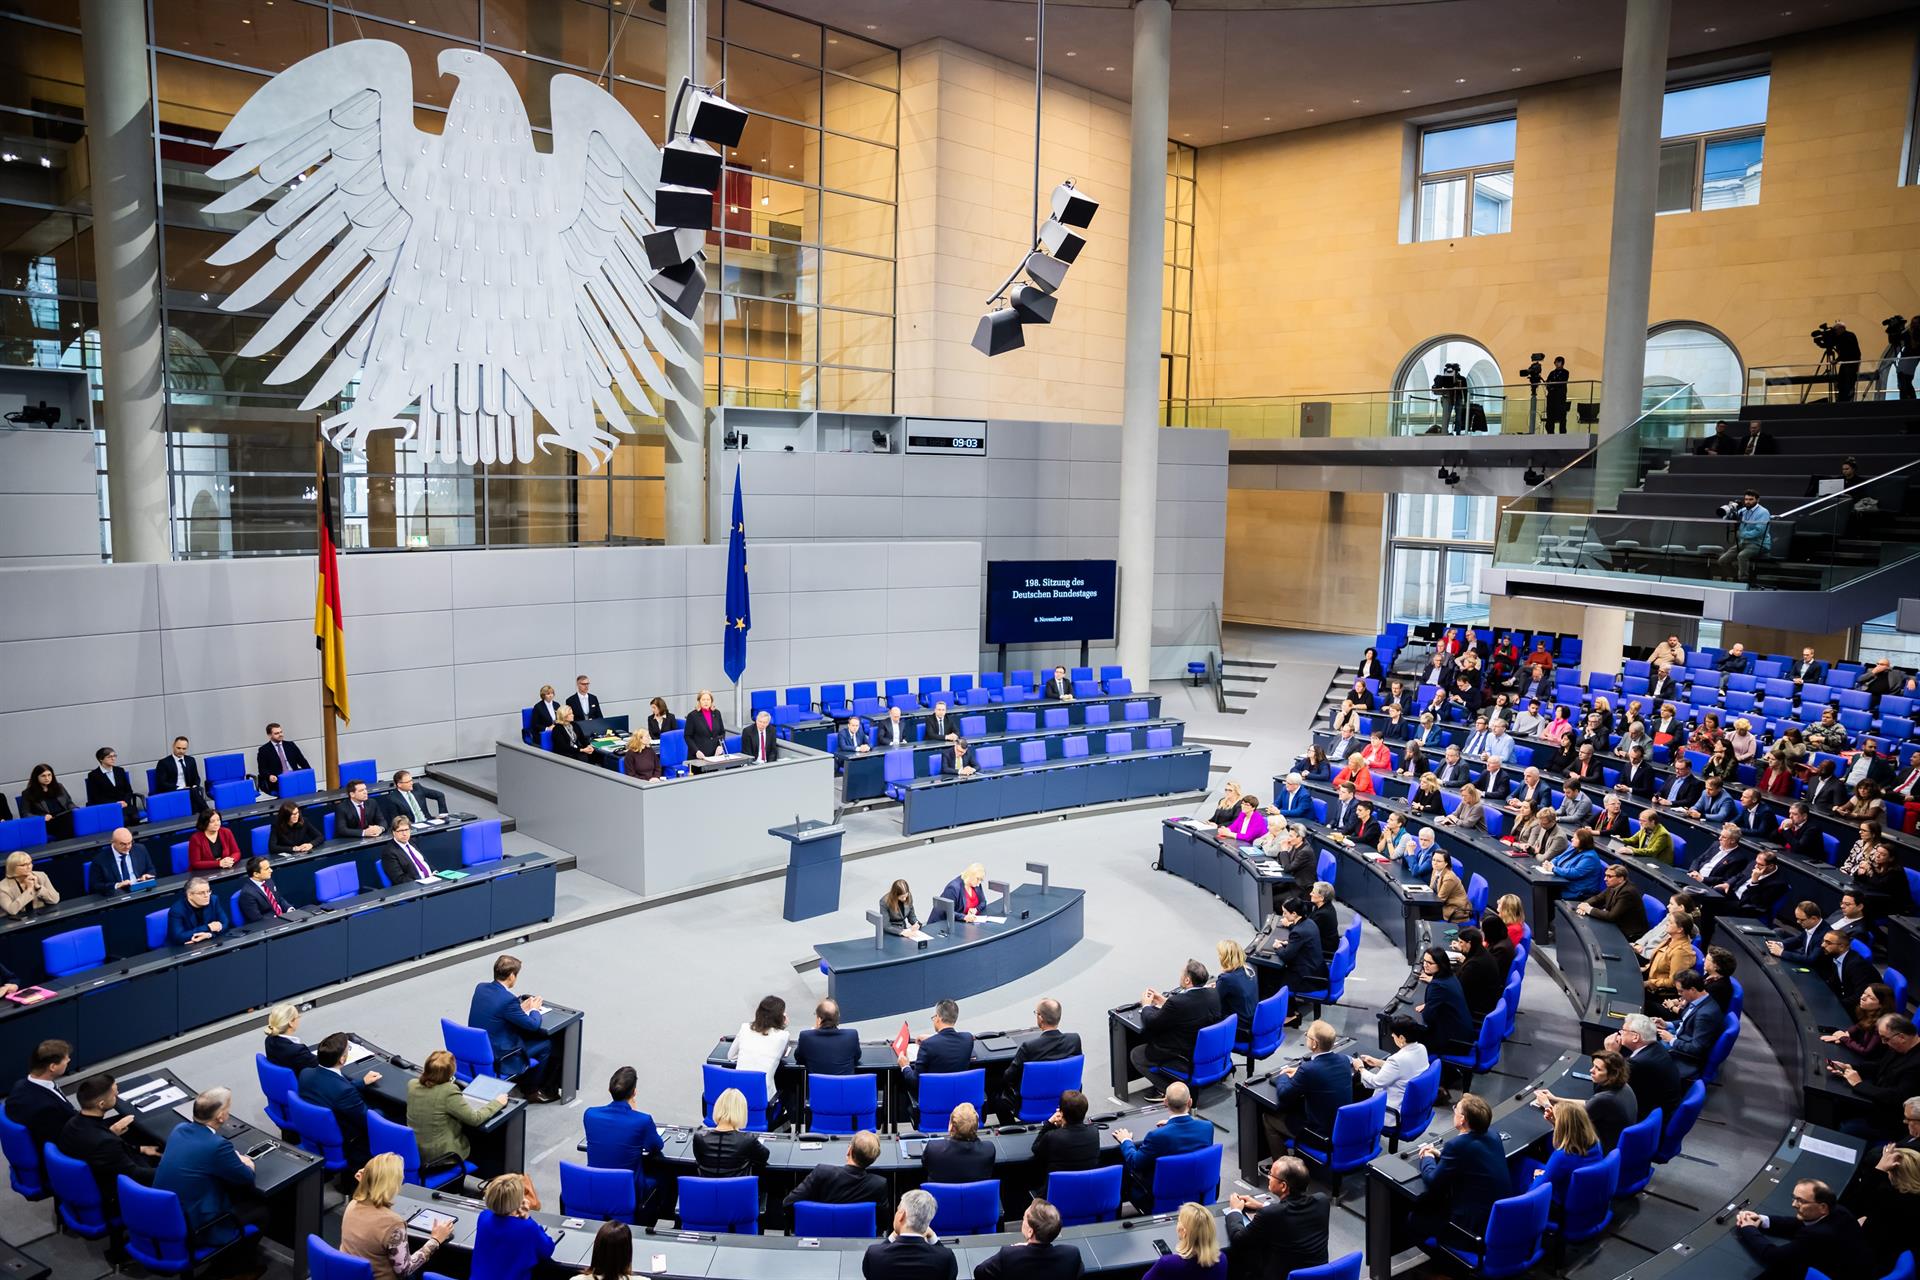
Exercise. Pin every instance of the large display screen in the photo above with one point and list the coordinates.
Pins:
(1047, 601)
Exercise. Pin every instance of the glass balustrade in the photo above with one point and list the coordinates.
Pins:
(1518, 409)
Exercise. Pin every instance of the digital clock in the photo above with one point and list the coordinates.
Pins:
(934, 436)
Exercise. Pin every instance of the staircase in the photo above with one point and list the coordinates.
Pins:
(1240, 681)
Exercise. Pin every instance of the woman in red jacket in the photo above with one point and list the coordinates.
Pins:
(212, 847)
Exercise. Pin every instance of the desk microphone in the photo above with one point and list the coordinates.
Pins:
(447, 1197)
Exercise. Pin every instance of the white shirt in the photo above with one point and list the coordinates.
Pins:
(1393, 1074)
(759, 1051)
(50, 1087)
(415, 860)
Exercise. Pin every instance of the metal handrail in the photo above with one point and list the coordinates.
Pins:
(1644, 415)
(1834, 497)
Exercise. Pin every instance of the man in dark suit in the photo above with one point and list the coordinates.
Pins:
(827, 1048)
(193, 919)
(620, 1135)
(1036, 1257)
(512, 1024)
(1885, 1082)
(1690, 1040)
(758, 741)
(1289, 1233)
(109, 784)
(258, 899)
(1325, 916)
(1801, 835)
(411, 798)
(911, 1251)
(1059, 686)
(1172, 1021)
(1454, 771)
(202, 1169)
(1650, 1068)
(275, 757)
(400, 859)
(326, 1085)
(1310, 1093)
(1682, 791)
(1301, 959)
(1662, 687)
(357, 816)
(1753, 817)
(1843, 969)
(1464, 1176)
(1726, 864)
(36, 1103)
(1824, 790)
(940, 724)
(1637, 778)
(1051, 1045)
(846, 1183)
(945, 1051)
(121, 865)
(1806, 671)
(178, 771)
(1178, 1134)
(1802, 943)
(1760, 890)
(100, 1142)
(1821, 1233)
(1618, 903)
(1850, 921)
(853, 737)
(895, 731)
(585, 705)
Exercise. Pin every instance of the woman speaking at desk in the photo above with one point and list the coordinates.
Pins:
(966, 892)
(706, 731)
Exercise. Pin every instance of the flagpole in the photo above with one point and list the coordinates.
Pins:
(328, 719)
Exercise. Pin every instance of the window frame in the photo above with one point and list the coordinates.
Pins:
(1471, 174)
(1701, 141)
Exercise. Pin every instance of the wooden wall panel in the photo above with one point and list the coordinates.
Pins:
(1307, 560)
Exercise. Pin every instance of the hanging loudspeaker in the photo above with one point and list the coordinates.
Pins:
(714, 119)
(1045, 272)
(998, 331)
(1031, 305)
(670, 247)
(687, 208)
(1072, 208)
(1060, 242)
(680, 286)
(689, 162)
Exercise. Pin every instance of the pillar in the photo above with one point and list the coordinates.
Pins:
(1140, 396)
(126, 261)
(685, 410)
(1636, 175)
(1603, 639)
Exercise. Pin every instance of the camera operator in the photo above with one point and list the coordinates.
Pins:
(1906, 356)
(1557, 397)
(1846, 354)
(1451, 386)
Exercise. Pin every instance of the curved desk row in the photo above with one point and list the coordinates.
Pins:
(65, 861)
(151, 997)
(932, 804)
(818, 733)
(1793, 1008)
(864, 773)
(123, 916)
(1601, 971)
(1041, 923)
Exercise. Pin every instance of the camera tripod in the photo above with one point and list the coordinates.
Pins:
(1827, 368)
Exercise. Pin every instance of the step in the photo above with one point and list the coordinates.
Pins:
(1233, 692)
(1829, 410)
(1238, 675)
(1248, 662)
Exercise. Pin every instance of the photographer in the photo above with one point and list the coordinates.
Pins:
(1845, 348)
(1557, 397)
(1451, 386)
(1753, 537)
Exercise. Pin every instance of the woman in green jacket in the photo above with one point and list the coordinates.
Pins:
(438, 1112)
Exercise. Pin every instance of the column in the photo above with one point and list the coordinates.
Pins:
(685, 410)
(126, 261)
(1603, 635)
(1140, 397)
(1636, 174)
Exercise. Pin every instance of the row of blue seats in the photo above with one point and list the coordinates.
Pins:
(177, 806)
(872, 698)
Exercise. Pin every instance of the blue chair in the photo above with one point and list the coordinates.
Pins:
(278, 1083)
(1134, 711)
(1054, 717)
(1486, 1046)
(1636, 1146)
(723, 1206)
(177, 858)
(324, 1262)
(800, 696)
(24, 1170)
(1515, 1238)
(1075, 748)
(479, 842)
(1893, 978)
(1033, 751)
(1099, 713)
(1674, 1135)
(74, 951)
(157, 1235)
(241, 791)
(22, 833)
(342, 880)
(673, 753)
(1119, 687)
(1212, 1055)
(1269, 1029)
(815, 1220)
(587, 1192)
(319, 1131)
(169, 806)
(717, 1078)
(1357, 1129)
(1326, 867)
(471, 1049)
(383, 1135)
(1347, 1268)
(896, 772)
(1042, 1083)
(1086, 1196)
(1191, 1175)
(760, 700)
(1022, 722)
(1416, 1107)
(833, 701)
(156, 928)
(988, 759)
(96, 819)
(298, 784)
(227, 767)
(76, 1195)
(1084, 689)
(965, 1208)
(842, 1104)
(941, 1092)
(1722, 1046)
(1588, 1209)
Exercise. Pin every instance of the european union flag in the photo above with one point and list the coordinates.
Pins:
(739, 608)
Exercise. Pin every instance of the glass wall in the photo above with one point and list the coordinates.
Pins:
(1176, 311)
(1712, 141)
(1437, 545)
(801, 261)
(1695, 357)
(1466, 179)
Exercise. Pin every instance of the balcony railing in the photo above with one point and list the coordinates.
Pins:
(1517, 409)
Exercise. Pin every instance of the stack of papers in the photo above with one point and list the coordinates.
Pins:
(487, 1088)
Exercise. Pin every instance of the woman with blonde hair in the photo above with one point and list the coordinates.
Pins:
(960, 1156)
(1889, 1202)
(1358, 773)
(1469, 814)
(725, 1150)
(370, 1230)
(641, 760)
(1673, 958)
(1229, 805)
(439, 1112)
(1239, 992)
(706, 731)
(1196, 1254)
(284, 1047)
(1513, 913)
(1575, 1143)
(1745, 745)
(507, 1243)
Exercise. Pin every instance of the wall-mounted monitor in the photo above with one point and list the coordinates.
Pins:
(1050, 601)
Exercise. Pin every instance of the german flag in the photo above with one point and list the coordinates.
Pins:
(329, 624)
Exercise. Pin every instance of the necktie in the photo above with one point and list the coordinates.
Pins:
(126, 873)
(760, 747)
(419, 866)
(414, 806)
(359, 815)
(273, 899)
(179, 775)
(281, 750)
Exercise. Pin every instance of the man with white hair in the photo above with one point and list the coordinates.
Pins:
(1655, 1076)
(1499, 742)
(201, 1168)
(911, 1251)
(1294, 800)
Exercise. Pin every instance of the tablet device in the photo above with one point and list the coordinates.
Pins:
(425, 1220)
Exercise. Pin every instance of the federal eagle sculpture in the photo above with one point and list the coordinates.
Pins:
(490, 284)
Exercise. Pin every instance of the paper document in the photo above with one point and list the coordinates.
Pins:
(147, 1086)
(166, 1097)
(1831, 1150)
(487, 1088)
(355, 1052)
